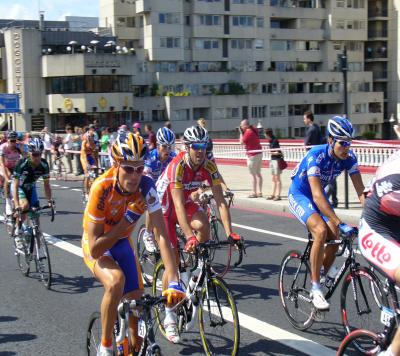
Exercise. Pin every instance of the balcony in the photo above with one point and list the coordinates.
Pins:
(143, 6)
(378, 55)
(379, 75)
(383, 33)
(305, 4)
(377, 13)
(297, 34)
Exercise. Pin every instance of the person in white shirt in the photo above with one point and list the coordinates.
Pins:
(47, 141)
(68, 146)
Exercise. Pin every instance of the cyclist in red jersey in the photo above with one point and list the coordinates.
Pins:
(183, 176)
(379, 234)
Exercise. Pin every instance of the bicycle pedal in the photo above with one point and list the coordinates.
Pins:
(320, 315)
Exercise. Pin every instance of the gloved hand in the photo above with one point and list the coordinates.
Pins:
(51, 203)
(174, 293)
(234, 237)
(347, 230)
(191, 243)
(134, 211)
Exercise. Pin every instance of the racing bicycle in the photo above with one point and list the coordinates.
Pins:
(142, 309)
(208, 296)
(92, 175)
(34, 246)
(361, 292)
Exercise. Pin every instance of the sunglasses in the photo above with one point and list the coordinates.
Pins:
(344, 143)
(131, 169)
(198, 146)
(36, 154)
(166, 147)
(13, 141)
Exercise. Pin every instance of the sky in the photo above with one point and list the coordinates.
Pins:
(54, 9)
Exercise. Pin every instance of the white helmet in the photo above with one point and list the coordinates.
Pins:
(195, 134)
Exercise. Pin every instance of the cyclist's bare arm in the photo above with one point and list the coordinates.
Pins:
(222, 208)
(15, 191)
(167, 253)
(47, 189)
(358, 186)
(321, 202)
(179, 203)
(100, 242)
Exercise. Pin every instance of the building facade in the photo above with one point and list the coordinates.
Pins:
(266, 60)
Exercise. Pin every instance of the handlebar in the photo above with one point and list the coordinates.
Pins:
(147, 301)
(39, 208)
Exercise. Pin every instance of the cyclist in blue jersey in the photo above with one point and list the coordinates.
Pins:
(155, 164)
(309, 203)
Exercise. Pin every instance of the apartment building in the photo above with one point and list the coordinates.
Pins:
(266, 60)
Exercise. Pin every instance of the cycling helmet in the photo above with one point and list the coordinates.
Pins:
(35, 145)
(340, 128)
(20, 136)
(195, 134)
(128, 147)
(12, 135)
(165, 136)
(136, 125)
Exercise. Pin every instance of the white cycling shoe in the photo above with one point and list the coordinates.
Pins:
(171, 331)
(319, 300)
(105, 351)
(149, 243)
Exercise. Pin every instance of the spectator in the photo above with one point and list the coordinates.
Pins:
(136, 129)
(276, 155)
(151, 137)
(168, 124)
(76, 146)
(47, 139)
(249, 137)
(104, 146)
(313, 133)
(92, 128)
(97, 128)
(68, 147)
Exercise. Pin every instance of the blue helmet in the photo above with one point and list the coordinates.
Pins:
(165, 136)
(340, 128)
(35, 145)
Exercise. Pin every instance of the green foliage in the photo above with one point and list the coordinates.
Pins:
(369, 135)
(235, 88)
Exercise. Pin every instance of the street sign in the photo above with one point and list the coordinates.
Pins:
(9, 103)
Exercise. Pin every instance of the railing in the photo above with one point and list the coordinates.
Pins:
(382, 74)
(377, 12)
(368, 155)
(377, 33)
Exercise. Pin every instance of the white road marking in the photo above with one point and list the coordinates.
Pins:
(55, 185)
(272, 233)
(76, 190)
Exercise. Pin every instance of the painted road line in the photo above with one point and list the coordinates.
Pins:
(254, 325)
(76, 190)
(55, 185)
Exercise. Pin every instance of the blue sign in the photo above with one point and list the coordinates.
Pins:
(9, 103)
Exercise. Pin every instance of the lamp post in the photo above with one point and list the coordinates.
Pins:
(344, 69)
(392, 121)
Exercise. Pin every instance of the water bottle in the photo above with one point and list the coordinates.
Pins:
(330, 277)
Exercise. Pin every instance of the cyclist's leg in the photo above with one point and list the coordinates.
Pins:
(7, 195)
(123, 253)
(198, 221)
(85, 175)
(330, 250)
(383, 252)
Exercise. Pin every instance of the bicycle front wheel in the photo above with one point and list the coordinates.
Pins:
(93, 336)
(218, 319)
(220, 256)
(42, 261)
(362, 300)
(369, 341)
(147, 260)
(23, 258)
(294, 285)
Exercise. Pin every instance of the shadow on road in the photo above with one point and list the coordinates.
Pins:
(252, 272)
(72, 285)
(4, 338)
(65, 237)
(267, 347)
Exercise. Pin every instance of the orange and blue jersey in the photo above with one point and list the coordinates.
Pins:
(107, 206)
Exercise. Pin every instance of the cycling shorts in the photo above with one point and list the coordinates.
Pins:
(123, 254)
(171, 220)
(27, 194)
(382, 251)
(302, 206)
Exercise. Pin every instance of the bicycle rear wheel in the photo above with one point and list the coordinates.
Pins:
(294, 285)
(147, 260)
(369, 341)
(43, 265)
(362, 300)
(221, 256)
(218, 319)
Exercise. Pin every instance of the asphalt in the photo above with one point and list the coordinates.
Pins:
(36, 321)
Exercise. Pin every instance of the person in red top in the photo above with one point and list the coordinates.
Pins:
(249, 138)
(151, 137)
(184, 175)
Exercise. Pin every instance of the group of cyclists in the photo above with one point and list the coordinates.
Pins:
(163, 184)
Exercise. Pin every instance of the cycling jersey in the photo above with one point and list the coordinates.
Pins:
(28, 175)
(319, 162)
(11, 155)
(153, 165)
(382, 204)
(107, 206)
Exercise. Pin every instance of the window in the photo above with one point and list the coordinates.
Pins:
(210, 20)
(170, 42)
(207, 44)
(340, 3)
(272, 88)
(121, 22)
(360, 108)
(355, 66)
(183, 114)
(169, 18)
(234, 112)
(130, 21)
(241, 44)
(278, 45)
(260, 21)
(219, 113)
(243, 1)
(337, 46)
(258, 111)
(340, 24)
(297, 110)
(354, 46)
(296, 88)
(243, 21)
(277, 111)
(187, 20)
(317, 88)
(259, 44)
(187, 43)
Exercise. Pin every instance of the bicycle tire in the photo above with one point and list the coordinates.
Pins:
(366, 298)
(93, 334)
(298, 291)
(23, 260)
(358, 337)
(221, 256)
(210, 307)
(186, 258)
(147, 260)
(45, 277)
